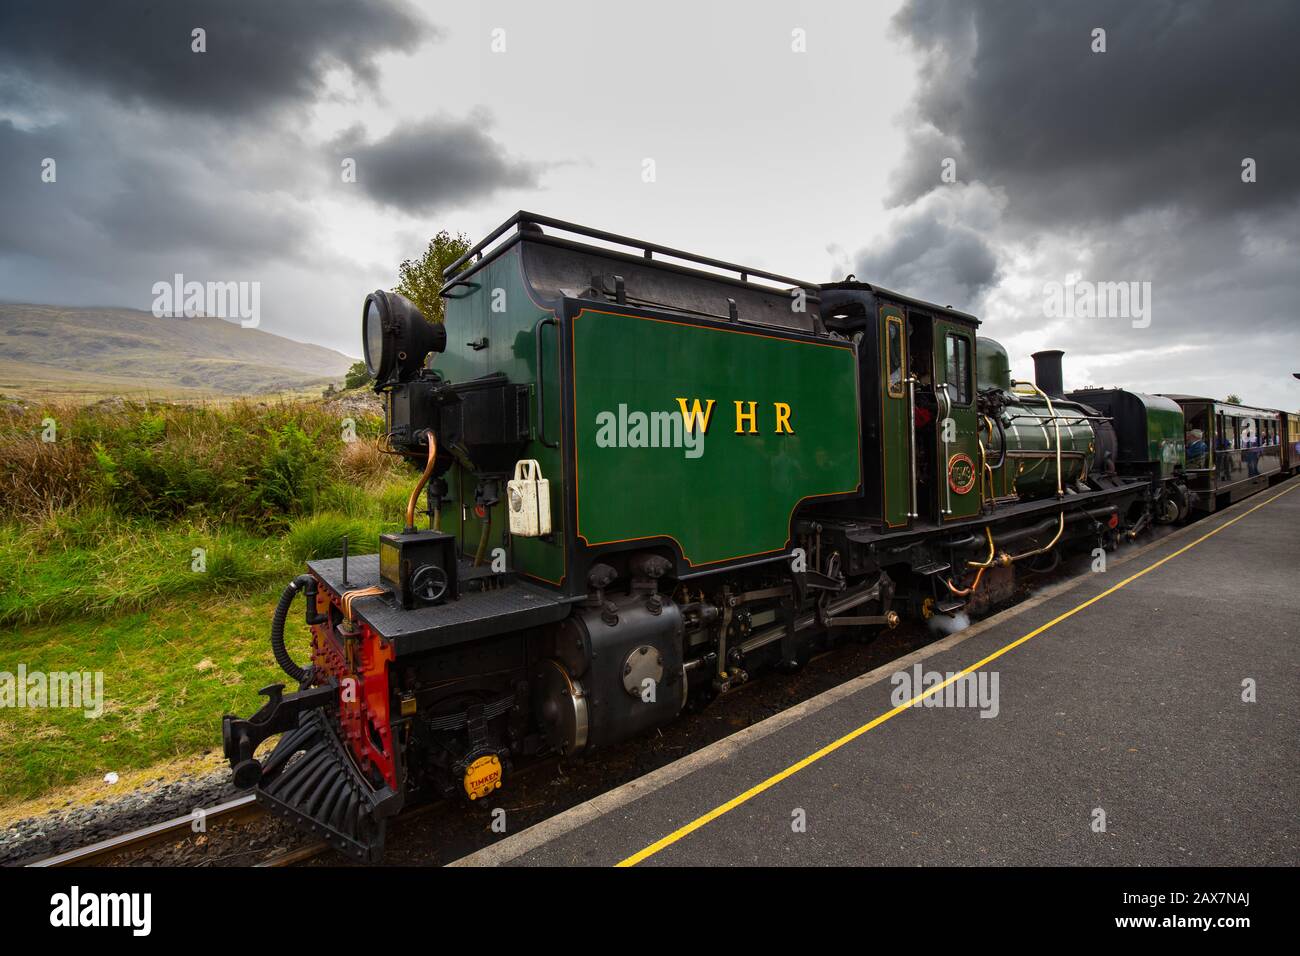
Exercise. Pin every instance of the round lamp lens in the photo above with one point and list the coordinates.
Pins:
(373, 336)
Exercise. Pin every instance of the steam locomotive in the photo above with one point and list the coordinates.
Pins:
(648, 475)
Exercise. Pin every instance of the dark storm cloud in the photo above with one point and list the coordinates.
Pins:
(118, 219)
(420, 166)
(1184, 91)
(1122, 166)
(1132, 152)
(170, 160)
(931, 257)
(145, 202)
(261, 54)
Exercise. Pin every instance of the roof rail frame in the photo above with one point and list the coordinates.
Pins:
(452, 277)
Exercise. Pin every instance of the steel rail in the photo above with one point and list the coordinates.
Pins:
(150, 835)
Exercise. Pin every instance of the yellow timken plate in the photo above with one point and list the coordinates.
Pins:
(482, 777)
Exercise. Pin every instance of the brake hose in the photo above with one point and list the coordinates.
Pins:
(302, 582)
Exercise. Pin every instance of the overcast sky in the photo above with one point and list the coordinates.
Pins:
(1065, 165)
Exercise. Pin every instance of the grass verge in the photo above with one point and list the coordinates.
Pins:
(150, 544)
(169, 675)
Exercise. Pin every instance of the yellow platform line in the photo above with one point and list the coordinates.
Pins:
(852, 735)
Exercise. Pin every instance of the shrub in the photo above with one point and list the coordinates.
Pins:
(364, 462)
(105, 519)
(253, 464)
(41, 477)
(357, 376)
(291, 471)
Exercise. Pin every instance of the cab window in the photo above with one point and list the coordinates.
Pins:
(894, 355)
(959, 368)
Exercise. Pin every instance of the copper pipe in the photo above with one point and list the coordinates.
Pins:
(424, 480)
(1005, 559)
(1029, 554)
(982, 566)
(987, 562)
(350, 596)
(963, 592)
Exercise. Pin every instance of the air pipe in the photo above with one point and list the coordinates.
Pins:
(307, 584)
(424, 480)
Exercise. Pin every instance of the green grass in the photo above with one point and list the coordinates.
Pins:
(98, 573)
(169, 675)
(92, 564)
(321, 535)
(72, 566)
(177, 648)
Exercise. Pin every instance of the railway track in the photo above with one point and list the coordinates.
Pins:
(240, 808)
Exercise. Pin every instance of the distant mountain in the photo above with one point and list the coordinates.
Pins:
(54, 349)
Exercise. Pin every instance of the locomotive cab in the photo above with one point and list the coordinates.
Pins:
(917, 369)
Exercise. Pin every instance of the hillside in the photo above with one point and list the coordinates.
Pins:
(96, 351)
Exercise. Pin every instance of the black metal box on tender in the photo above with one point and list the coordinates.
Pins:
(401, 556)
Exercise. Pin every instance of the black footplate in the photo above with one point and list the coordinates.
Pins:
(488, 604)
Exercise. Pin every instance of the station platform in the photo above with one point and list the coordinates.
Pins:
(1118, 693)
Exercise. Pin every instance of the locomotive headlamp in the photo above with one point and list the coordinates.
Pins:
(396, 337)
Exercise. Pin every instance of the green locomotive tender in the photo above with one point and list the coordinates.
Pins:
(648, 475)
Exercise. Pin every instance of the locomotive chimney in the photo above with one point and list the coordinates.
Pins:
(1047, 373)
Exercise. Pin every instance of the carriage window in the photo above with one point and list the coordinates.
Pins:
(894, 349)
(959, 368)
(1196, 438)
